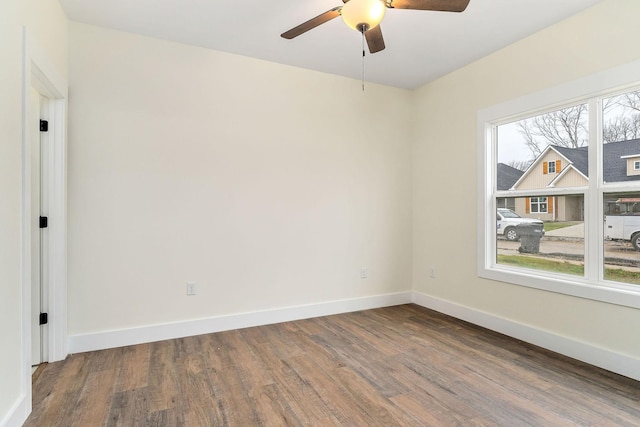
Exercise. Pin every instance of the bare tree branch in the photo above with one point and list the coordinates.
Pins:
(566, 128)
(521, 165)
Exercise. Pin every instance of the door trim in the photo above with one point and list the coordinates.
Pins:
(38, 72)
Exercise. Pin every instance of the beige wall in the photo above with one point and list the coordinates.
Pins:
(269, 186)
(47, 27)
(446, 127)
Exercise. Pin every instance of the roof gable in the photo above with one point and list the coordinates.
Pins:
(558, 180)
(537, 161)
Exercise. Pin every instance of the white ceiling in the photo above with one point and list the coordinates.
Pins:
(420, 45)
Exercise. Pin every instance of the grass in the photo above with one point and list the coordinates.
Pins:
(621, 275)
(542, 264)
(550, 226)
(614, 274)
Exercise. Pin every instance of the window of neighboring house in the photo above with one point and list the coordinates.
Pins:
(538, 204)
(577, 232)
(507, 203)
(551, 167)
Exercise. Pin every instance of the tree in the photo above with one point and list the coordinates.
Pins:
(622, 115)
(622, 128)
(629, 100)
(568, 127)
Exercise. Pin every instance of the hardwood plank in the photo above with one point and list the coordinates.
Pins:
(430, 413)
(230, 382)
(134, 370)
(198, 400)
(92, 408)
(128, 409)
(163, 389)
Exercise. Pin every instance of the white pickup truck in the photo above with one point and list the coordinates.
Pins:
(508, 220)
(623, 227)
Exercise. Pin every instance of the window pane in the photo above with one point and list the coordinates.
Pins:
(549, 238)
(622, 237)
(621, 137)
(549, 150)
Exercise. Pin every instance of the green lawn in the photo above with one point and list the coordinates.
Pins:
(615, 274)
(542, 264)
(620, 275)
(549, 226)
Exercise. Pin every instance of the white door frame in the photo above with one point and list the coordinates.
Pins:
(39, 73)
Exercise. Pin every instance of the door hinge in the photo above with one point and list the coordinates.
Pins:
(44, 126)
(44, 222)
(44, 318)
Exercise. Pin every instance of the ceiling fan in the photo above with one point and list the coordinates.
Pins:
(364, 16)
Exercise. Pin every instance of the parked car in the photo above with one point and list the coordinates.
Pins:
(508, 220)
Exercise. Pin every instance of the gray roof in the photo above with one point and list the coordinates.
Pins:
(507, 176)
(578, 156)
(615, 167)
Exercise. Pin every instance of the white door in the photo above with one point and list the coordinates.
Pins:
(38, 235)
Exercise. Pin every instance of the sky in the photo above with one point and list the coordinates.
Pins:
(511, 144)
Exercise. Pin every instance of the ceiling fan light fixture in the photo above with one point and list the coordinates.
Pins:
(362, 15)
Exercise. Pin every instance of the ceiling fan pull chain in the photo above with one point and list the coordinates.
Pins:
(363, 59)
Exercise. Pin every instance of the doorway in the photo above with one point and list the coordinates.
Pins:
(38, 129)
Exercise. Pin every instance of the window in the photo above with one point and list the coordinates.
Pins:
(538, 204)
(574, 192)
(551, 167)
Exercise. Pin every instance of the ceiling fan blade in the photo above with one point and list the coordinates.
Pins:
(312, 23)
(437, 5)
(374, 39)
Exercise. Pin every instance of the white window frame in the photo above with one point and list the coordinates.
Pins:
(590, 89)
(636, 165)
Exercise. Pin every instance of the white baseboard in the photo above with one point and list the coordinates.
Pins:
(18, 413)
(144, 334)
(597, 356)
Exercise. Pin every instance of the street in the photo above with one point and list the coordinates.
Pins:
(620, 254)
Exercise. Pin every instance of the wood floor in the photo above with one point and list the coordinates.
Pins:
(396, 366)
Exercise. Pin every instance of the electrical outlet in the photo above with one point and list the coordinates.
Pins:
(364, 272)
(191, 288)
(433, 273)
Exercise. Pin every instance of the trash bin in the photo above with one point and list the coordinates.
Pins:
(530, 235)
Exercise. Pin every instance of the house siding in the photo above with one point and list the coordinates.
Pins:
(573, 179)
(630, 170)
(539, 177)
